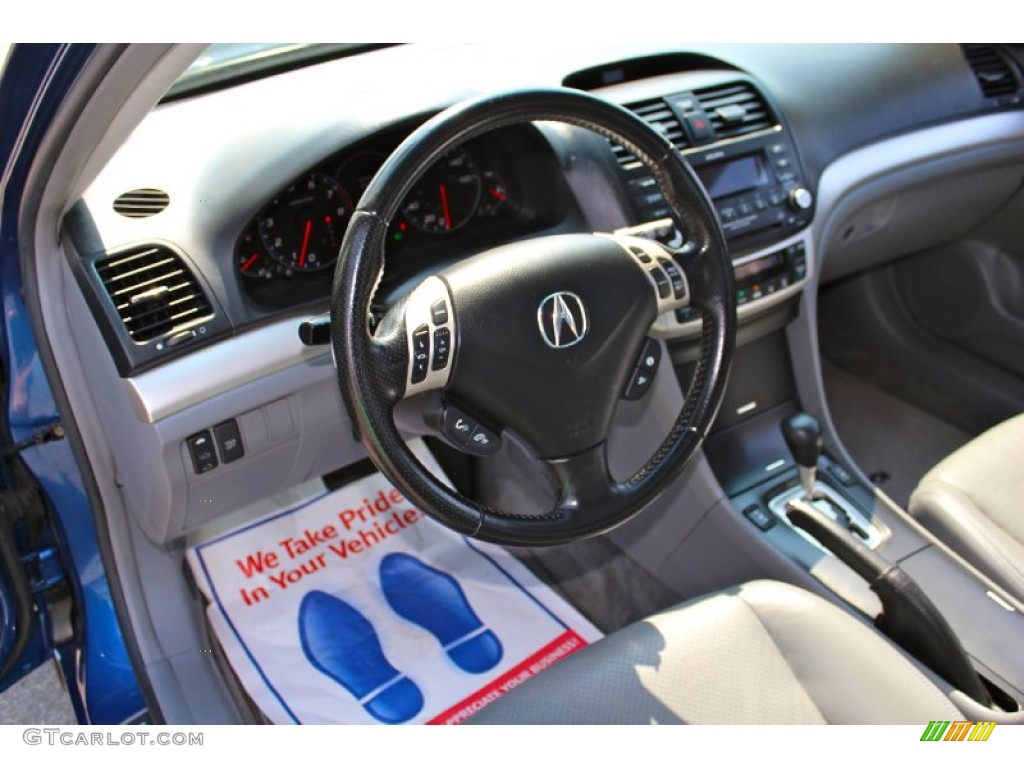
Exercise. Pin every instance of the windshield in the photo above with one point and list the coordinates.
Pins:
(221, 64)
(221, 56)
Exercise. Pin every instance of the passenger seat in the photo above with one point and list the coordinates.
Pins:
(974, 501)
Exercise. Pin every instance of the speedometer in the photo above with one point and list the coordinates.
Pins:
(302, 227)
(447, 196)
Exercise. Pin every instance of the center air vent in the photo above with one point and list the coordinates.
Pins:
(659, 116)
(735, 109)
(153, 291)
(994, 74)
(140, 203)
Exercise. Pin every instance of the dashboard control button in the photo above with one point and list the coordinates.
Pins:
(700, 127)
(759, 517)
(840, 474)
(229, 441)
(661, 280)
(482, 442)
(458, 427)
(439, 312)
(180, 338)
(638, 385)
(686, 314)
(420, 353)
(800, 199)
(200, 448)
(442, 348)
(650, 357)
(678, 283)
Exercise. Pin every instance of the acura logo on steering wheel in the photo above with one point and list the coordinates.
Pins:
(562, 320)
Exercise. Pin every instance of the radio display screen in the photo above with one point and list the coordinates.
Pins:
(767, 265)
(726, 178)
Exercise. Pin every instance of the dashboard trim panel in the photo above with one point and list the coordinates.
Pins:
(242, 359)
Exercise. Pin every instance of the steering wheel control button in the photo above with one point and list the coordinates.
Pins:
(420, 353)
(482, 442)
(229, 441)
(676, 276)
(639, 383)
(439, 312)
(686, 314)
(640, 254)
(200, 448)
(458, 427)
(650, 357)
(661, 280)
(430, 336)
(755, 514)
(442, 348)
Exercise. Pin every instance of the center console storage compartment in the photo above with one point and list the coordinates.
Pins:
(990, 628)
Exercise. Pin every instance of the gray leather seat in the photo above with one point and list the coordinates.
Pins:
(760, 653)
(974, 501)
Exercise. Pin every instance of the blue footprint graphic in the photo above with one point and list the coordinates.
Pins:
(434, 601)
(340, 642)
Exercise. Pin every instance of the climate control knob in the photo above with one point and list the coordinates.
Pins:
(800, 199)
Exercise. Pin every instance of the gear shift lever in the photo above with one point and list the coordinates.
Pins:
(804, 440)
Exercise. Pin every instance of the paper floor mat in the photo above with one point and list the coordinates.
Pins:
(358, 608)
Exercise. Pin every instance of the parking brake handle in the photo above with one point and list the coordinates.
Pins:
(908, 617)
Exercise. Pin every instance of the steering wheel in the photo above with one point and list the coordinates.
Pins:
(537, 338)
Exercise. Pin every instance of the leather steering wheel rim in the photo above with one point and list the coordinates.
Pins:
(372, 367)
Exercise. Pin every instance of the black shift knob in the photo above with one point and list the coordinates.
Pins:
(804, 439)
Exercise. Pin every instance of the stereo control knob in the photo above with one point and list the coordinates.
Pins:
(800, 199)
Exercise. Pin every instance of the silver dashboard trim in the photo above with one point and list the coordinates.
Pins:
(779, 505)
(240, 360)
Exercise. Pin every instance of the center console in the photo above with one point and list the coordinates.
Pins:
(743, 153)
(764, 483)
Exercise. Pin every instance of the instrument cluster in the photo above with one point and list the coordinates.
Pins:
(477, 195)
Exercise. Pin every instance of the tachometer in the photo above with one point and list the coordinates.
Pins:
(447, 196)
(302, 227)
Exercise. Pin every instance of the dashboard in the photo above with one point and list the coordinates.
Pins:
(212, 233)
(253, 214)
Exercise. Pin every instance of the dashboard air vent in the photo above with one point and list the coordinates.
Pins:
(659, 116)
(140, 203)
(153, 291)
(993, 72)
(735, 109)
